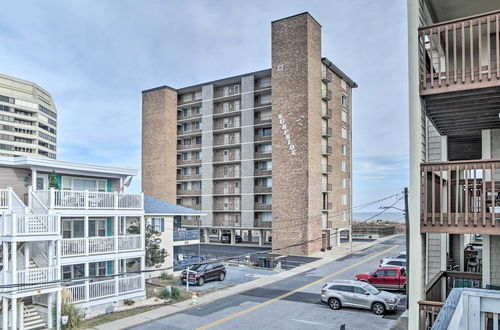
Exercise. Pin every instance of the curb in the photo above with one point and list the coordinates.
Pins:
(162, 312)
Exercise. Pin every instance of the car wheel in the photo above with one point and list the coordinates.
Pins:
(378, 308)
(334, 303)
(201, 281)
(222, 276)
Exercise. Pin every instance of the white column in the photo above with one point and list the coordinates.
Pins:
(5, 308)
(115, 232)
(86, 271)
(5, 258)
(261, 237)
(26, 255)
(58, 255)
(52, 197)
(51, 253)
(117, 271)
(13, 313)
(13, 262)
(20, 318)
(143, 267)
(33, 179)
(50, 302)
(233, 236)
(338, 237)
(86, 233)
(486, 260)
(143, 228)
(58, 310)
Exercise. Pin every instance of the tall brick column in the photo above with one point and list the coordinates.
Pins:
(159, 143)
(296, 81)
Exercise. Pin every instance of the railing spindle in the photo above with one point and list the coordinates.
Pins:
(497, 39)
(483, 195)
(441, 195)
(457, 177)
(493, 202)
(431, 50)
(489, 46)
(480, 50)
(446, 52)
(466, 178)
(474, 194)
(471, 33)
(439, 55)
(454, 53)
(448, 171)
(463, 53)
(433, 188)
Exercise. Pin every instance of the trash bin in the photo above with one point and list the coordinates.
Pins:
(262, 262)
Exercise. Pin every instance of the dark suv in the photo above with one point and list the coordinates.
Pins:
(226, 238)
(200, 273)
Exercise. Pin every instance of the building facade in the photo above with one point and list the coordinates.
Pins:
(28, 119)
(266, 155)
(454, 81)
(70, 222)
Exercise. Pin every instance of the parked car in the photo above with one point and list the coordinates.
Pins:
(394, 262)
(391, 278)
(226, 238)
(358, 294)
(201, 273)
(400, 256)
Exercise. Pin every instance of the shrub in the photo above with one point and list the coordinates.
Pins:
(128, 302)
(166, 276)
(174, 293)
(74, 317)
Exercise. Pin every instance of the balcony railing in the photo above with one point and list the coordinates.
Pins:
(326, 95)
(189, 147)
(461, 197)
(186, 235)
(222, 141)
(260, 189)
(262, 155)
(326, 76)
(220, 157)
(327, 169)
(4, 198)
(220, 124)
(262, 207)
(193, 192)
(326, 131)
(29, 225)
(326, 150)
(37, 275)
(226, 207)
(227, 190)
(193, 177)
(71, 199)
(108, 288)
(188, 161)
(326, 113)
(260, 172)
(260, 138)
(100, 245)
(460, 54)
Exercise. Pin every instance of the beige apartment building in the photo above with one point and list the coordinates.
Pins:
(265, 155)
(28, 119)
(454, 89)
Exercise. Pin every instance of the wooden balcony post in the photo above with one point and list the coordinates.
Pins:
(52, 198)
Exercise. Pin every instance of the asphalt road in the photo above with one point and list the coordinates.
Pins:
(292, 303)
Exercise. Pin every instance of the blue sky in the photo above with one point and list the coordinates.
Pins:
(95, 58)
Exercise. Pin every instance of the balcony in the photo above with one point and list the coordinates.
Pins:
(221, 125)
(461, 197)
(29, 225)
(326, 95)
(326, 76)
(186, 235)
(227, 91)
(262, 121)
(226, 107)
(262, 207)
(327, 169)
(231, 157)
(192, 177)
(101, 289)
(4, 198)
(326, 113)
(226, 207)
(326, 131)
(231, 173)
(188, 161)
(327, 207)
(261, 155)
(259, 172)
(192, 206)
(262, 138)
(100, 245)
(72, 199)
(226, 190)
(222, 141)
(188, 132)
(327, 187)
(262, 190)
(458, 55)
(440, 287)
(326, 150)
(34, 276)
(193, 192)
(189, 147)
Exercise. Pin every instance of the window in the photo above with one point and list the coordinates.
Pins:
(197, 110)
(344, 100)
(343, 166)
(266, 148)
(344, 199)
(346, 288)
(186, 127)
(98, 228)
(186, 142)
(97, 268)
(344, 150)
(359, 290)
(198, 140)
(266, 216)
(344, 183)
(236, 89)
(391, 273)
(158, 224)
(381, 273)
(267, 131)
(73, 271)
(186, 113)
(344, 133)
(344, 116)
(344, 216)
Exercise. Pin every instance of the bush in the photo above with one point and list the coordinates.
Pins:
(174, 293)
(74, 317)
(166, 276)
(128, 302)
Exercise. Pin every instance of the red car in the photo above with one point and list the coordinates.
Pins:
(389, 278)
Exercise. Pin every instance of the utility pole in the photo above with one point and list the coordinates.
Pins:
(407, 227)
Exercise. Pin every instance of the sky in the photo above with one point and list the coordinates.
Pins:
(96, 56)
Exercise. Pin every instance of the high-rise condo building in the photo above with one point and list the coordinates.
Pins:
(28, 119)
(265, 155)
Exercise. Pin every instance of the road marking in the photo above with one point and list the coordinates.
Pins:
(265, 303)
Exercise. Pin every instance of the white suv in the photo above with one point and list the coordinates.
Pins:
(358, 294)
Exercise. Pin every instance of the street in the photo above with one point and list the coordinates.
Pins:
(292, 303)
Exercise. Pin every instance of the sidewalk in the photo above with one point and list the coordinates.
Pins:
(165, 311)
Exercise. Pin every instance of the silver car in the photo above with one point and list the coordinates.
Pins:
(358, 294)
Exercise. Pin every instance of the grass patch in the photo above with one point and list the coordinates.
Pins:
(115, 316)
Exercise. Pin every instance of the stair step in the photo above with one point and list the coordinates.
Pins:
(37, 326)
(32, 317)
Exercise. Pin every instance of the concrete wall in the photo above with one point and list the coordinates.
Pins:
(495, 260)
(207, 168)
(159, 147)
(247, 151)
(296, 81)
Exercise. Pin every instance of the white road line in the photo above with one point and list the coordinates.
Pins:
(321, 324)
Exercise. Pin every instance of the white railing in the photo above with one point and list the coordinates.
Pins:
(101, 244)
(38, 275)
(72, 199)
(106, 288)
(73, 246)
(29, 224)
(4, 198)
(132, 242)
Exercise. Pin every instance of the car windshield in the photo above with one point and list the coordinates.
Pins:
(198, 267)
(371, 289)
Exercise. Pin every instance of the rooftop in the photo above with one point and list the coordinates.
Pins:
(155, 206)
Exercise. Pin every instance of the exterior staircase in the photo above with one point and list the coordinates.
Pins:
(32, 319)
